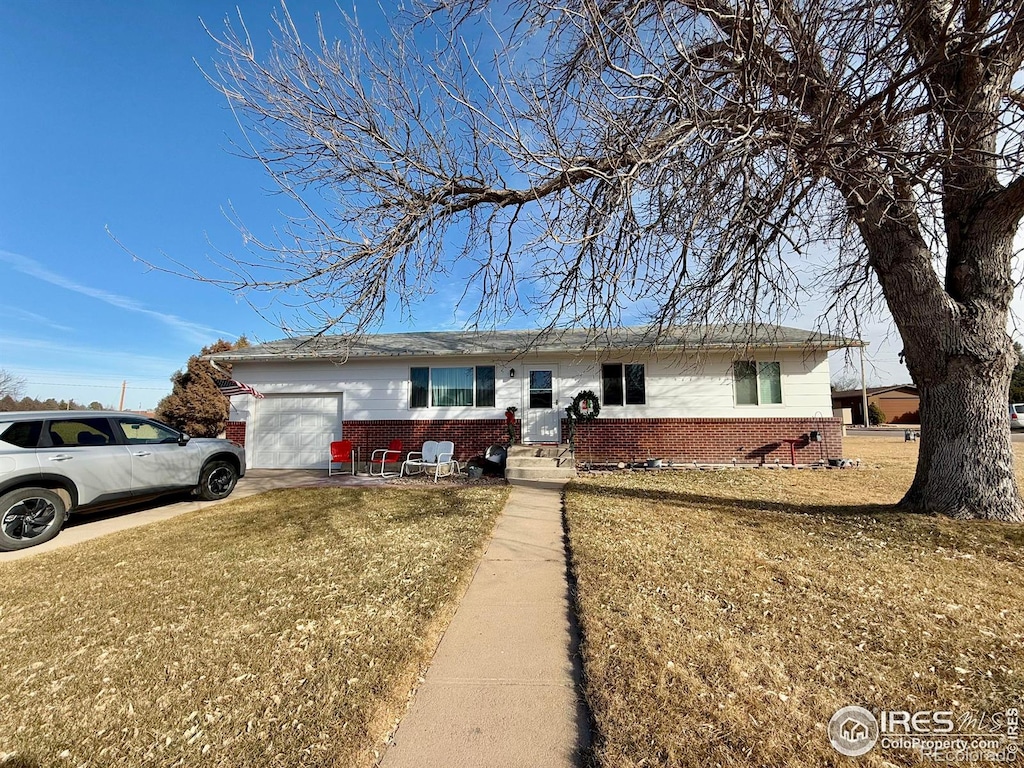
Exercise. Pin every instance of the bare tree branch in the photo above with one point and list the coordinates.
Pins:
(698, 161)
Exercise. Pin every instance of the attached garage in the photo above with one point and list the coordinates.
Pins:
(294, 431)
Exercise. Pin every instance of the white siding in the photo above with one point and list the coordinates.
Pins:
(379, 388)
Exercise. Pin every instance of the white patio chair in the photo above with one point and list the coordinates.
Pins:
(417, 461)
(436, 456)
(445, 463)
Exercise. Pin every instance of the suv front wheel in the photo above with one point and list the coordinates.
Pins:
(217, 480)
(30, 516)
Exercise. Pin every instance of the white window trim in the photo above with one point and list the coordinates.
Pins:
(430, 406)
(757, 370)
(622, 381)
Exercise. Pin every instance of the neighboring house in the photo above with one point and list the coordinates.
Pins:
(711, 396)
(901, 405)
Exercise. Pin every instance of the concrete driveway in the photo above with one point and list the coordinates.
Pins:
(89, 525)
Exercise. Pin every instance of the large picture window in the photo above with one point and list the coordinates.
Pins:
(623, 384)
(463, 386)
(451, 387)
(757, 383)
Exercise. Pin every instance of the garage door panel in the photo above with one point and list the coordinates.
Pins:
(295, 431)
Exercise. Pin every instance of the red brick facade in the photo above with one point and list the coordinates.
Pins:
(235, 432)
(706, 441)
(710, 441)
(471, 436)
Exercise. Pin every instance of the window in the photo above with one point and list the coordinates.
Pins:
(542, 389)
(81, 432)
(485, 386)
(452, 387)
(757, 383)
(420, 379)
(623, 384)
(139, 432)
(24, 434)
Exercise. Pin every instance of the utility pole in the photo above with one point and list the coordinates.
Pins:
(124, 384)
(863, 387)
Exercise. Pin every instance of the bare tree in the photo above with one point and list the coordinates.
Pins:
(10, 385)
(704, 160)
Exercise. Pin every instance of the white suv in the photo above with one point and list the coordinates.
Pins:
(1016, 415)
(53, 462)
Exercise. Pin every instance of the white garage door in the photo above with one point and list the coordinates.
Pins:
(295, 431)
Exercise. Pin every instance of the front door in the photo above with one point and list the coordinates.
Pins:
(543, 421)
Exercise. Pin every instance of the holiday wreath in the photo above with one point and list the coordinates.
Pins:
(585, 406)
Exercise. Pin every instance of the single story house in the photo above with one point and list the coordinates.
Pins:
(900, 404)
(710, 395)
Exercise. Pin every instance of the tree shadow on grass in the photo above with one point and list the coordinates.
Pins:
(1004, 541)
(728, 504)
(314, 513)
(21, 761)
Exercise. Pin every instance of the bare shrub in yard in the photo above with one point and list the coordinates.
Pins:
(284, 629)
(728, 615)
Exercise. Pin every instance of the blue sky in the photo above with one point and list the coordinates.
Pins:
(108, 124)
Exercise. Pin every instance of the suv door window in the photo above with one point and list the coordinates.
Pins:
(74, 433)
(139, 432)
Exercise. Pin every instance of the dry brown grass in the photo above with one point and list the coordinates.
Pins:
(727, 615)
(285, 629)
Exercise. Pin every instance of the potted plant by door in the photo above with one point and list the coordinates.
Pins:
(510, 423)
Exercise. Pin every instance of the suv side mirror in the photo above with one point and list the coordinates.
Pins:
(183, 439)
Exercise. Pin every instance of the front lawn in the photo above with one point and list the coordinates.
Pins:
(727, 615)
(284, 629)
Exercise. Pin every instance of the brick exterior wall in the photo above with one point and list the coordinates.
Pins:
(471, 436)
(707, 441)
(235, 432)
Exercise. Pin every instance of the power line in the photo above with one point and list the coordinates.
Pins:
(91, 386)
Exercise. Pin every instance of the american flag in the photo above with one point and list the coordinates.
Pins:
(229, 387)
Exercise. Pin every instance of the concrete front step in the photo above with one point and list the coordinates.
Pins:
(540, 462)
(549, 472)
(539, 451)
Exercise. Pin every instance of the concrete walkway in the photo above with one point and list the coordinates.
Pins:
(503, 688)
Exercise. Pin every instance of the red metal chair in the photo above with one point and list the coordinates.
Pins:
(382, 456)
(341, 452)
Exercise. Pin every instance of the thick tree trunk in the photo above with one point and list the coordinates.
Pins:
(965, 467)
(961, 359)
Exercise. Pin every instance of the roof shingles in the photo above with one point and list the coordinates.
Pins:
(511, 344)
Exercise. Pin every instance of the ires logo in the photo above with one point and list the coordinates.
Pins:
(901, 722)
(853, 731)
(936, 734)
